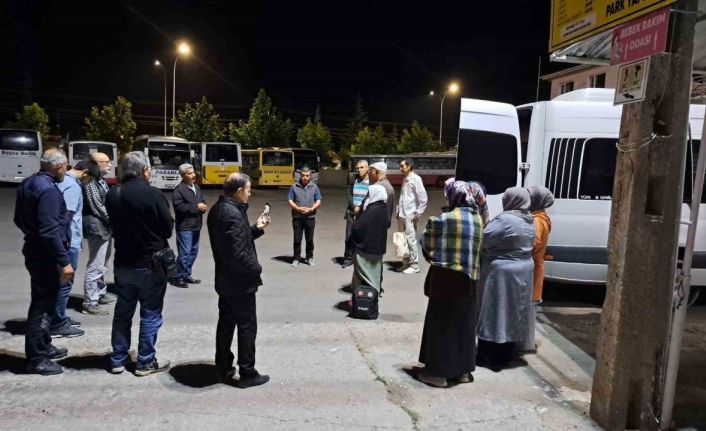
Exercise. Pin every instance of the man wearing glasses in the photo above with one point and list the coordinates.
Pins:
(356, 193)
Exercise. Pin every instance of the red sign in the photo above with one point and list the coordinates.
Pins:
(640, 38)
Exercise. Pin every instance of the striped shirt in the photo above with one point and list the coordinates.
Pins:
(360, 190)
(453, 240)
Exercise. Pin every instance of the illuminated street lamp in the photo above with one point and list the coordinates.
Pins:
(157, 63)
(453, 89)
(182, 49)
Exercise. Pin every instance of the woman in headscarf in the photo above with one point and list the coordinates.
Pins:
(368, 239)
(540, 199)
(451, 243)
(507, 274)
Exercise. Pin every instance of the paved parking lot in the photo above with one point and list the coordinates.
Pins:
(328, 371)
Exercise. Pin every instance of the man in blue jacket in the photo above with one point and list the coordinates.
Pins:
(40, 212)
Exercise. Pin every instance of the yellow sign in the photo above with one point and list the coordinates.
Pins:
(573, 20)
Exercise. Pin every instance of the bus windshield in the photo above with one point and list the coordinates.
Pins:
(83, 149)
(306, 158)
(167, 158)
(221, 153)
(276, 158)
(18, 140)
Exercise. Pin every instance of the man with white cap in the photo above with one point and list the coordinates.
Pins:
(377, 174)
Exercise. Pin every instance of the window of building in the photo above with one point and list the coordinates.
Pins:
(489, 158)
(567, 86)
(597, 81)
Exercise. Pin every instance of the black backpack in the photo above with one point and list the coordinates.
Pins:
(364, 303)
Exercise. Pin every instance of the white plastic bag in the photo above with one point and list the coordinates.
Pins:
(400, 242)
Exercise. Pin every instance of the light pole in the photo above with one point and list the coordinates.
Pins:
(158, 64)
(182, 49)
(453, 89)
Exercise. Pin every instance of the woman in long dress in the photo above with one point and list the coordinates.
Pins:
(451, 243)
(368, 239)
(507, 275)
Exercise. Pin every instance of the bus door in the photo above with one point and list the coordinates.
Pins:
(489, 148)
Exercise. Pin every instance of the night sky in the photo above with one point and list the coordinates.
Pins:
(71, 55)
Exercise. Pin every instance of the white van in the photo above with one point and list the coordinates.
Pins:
(567, 145)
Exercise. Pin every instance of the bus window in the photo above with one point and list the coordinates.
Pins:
(251, 161)
(83, 150)
(487, 157)
(276, 158)
(161, 158)
(18, 140)
(598, 169)
(306, 158)
(221, 153)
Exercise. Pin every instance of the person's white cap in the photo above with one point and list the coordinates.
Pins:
(380, 167)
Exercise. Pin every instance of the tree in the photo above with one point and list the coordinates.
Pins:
(112, 123)
(369, 141)
(315, 136)
(417, 139)
(265, 128)
(32, 117)
(198, 123)
(355, 125)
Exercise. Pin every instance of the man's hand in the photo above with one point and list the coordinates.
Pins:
(202, 207)
(356, 211)
(67, 274)
(262, 221)
(415, 218)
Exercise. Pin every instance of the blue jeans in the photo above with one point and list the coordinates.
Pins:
(147, 286)
(59, 319)
(188, 246)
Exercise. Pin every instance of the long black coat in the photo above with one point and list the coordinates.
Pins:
(369, 232)
(233, 245)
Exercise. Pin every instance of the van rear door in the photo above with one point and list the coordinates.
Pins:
(489, 147)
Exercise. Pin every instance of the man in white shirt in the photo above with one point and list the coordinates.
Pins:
(413, 202)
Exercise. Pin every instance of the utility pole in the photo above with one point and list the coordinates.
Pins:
(642, 247)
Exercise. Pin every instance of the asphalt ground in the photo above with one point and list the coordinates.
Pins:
(328, 371)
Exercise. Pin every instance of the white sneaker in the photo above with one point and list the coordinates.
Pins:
(411, 270)
(295, 262)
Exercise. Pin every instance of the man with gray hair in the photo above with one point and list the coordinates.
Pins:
(189, 206)
(40, 213)
(237, 279)
(142, 223)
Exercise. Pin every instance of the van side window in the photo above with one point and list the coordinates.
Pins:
(563, 165)
(487, 157)
(598, 169)
(692, 158)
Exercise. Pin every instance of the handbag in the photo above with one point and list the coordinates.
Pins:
(400, 242)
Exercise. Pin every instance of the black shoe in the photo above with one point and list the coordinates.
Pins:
(74, 323)
(190, 280)
(254, 380)
(151, 368)
(227, 376)
(179, 283)
(57, 352)
(66, 331)
(45, 367)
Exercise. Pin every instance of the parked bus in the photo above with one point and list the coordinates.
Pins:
(20, 151)
(214, 161)
(81, 150)
(434, 167)
(269, 166)
(568, 145)
(306, 157)
(165, 154)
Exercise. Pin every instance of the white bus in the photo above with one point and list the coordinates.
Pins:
(20, 151)
(567, 145)
(81, 150)
(215, 161)
(166, 154)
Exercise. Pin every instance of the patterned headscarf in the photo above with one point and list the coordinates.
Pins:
(540, 198)
(516, 199)
(458, 194)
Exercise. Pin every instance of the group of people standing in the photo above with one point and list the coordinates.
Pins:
(484, 281)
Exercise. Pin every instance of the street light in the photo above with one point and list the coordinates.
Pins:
(182, 49)
(453, 89)
(157, 63)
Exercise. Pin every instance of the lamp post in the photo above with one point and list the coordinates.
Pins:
(157, 63)
(453, 89)
(182, 49)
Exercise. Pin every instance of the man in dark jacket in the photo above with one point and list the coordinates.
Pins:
(237, 279)
(189, 206)
(142, 223)
(40, 212)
